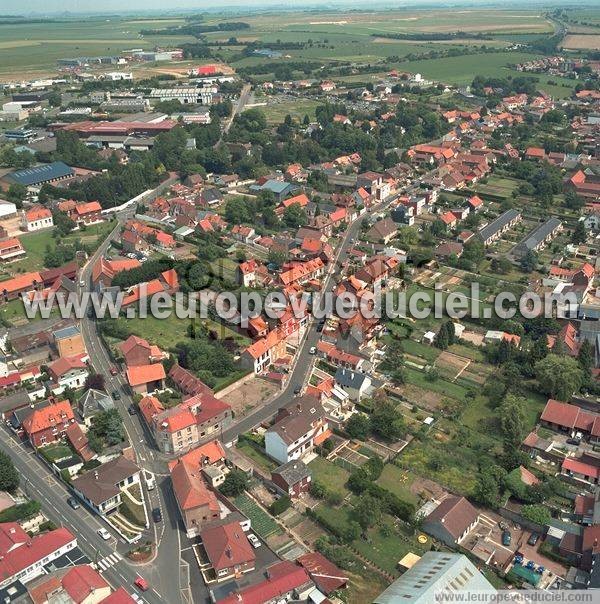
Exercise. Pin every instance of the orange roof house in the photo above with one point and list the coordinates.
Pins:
(146, 378)
(48, 422)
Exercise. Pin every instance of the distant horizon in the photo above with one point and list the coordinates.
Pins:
(39, 8)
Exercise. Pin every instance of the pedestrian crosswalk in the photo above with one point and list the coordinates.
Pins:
(107, 562)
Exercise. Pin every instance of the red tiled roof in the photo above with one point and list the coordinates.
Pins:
(327, 576)
(144, 374)
(283, 577)
(35, 550)
(47, 417)
(227, 546)
(561, 414)
(80, 582)
(580, 467)
(121, 596)
(189, 487)
(456, 514)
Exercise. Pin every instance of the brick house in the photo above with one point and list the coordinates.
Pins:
(293, 478)
(48, 423)
(228, 550)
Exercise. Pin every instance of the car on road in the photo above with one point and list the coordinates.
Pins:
(150, 481)
(297, 389)
(113, 371)
(141, 584)
(506, 538)
(313, 350)
(73, 503)
(116, 395)
(533, 539)
(103, 533)
(82, 283)
(131, 409)
(254, 540)
(156, 515)
(320, 326)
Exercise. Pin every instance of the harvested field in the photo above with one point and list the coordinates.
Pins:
(582, 42)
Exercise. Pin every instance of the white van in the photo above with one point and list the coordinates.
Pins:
(149, 478)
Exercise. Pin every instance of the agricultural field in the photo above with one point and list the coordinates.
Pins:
(30, 48)
(581, 42)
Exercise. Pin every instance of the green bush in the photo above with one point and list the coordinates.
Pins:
(280, 505)
(23, 511)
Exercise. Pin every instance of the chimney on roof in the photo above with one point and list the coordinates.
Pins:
(228, 552)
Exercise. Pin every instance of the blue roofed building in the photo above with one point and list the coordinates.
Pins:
(279, 188)
(434, 574)
(38, 175)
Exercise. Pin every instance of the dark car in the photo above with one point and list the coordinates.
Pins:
(131, 410)
(73, 503)
(156, 515)
(116, 395)
(533, 538)
(297, 389)
(506, 538)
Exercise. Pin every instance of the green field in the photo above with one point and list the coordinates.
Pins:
(32, 47)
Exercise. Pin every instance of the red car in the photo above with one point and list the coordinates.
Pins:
(113, 371)
(141, 584)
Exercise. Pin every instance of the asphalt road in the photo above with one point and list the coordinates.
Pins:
(39, 483)
(168, 572)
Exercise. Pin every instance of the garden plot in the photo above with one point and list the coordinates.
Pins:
(451, 365)
(348, 453)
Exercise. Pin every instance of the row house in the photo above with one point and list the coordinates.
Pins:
(87, 213)
(177, 429)
(11, 249)
(301, 272)
(68, 372)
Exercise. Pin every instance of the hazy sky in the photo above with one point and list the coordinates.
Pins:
(96, 6)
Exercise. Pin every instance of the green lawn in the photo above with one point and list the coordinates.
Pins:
(35, 244)
(397, 481)
(330, 475)
(429, 353)
(421, 379)
(167, 333)
(386, 550)
(261, 459)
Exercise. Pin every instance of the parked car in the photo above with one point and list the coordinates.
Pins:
(73, 503)
(533, 539)
(254, 540)
(113, 371)
(103, 533)
(149, 478)
(156, 515)
(506, 538)
(116, 395)
(141, 584)
(131, 409)
(313, 350)
(297, 389)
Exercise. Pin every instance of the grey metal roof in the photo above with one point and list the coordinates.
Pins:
(293, 471)
(39, 174)
(435, 573)
(349, 379)
(66, 332)
(537, 236)
(498, 224)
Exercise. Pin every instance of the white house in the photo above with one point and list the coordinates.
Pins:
(298, 428)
